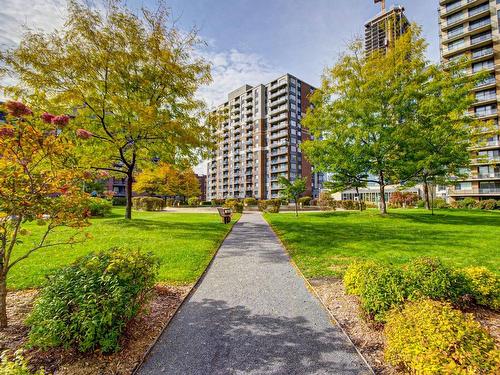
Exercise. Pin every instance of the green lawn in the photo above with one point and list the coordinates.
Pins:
(184, 243)
(322, 244)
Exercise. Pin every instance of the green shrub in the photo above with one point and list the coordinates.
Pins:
(99, 207)
(484, 286)
(119, 201)
(326, 202)
(488, 204)
(429, 337)
(217, 202)
(304, 201)
(467, 203)
(271, 206)
(420, 203)
(88, 304)
(194, 201)
(440, 203)
(148, 203)
(206, 203)
(429, 277)
(17, 366)
(351, 205)
(381, 289)
(250, 202)
(234, 205)
(169, 202)
(356, 274)
(369, 204)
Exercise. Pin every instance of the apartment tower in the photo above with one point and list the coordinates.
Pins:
(471, 28)
(259, 139)
(383, 29)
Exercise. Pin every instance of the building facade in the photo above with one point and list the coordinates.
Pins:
(259, 138)
(471, 28)
(384, 28)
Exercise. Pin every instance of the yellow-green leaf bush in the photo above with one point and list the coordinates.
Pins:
(356, 275)
(17, 366)
(148, 203)
(88, 304)
(484, 286)
(430, 337)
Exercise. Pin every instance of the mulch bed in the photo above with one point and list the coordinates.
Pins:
(368, 336)
(139, 335)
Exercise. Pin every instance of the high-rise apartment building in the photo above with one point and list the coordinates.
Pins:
(259, 140)
(384, 28)
(471, 28)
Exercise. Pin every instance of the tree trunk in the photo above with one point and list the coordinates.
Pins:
(383, 204)
(296, 208)
(128, 212)
(359, 199)
(3, 302)
(426, 194)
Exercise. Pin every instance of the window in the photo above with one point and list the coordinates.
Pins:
(463, 186)
(480, 37)
(480, 52)
(485, 110)
(456, 44)
(479, 9)
(456, 31)
(483, 65)
(486, 95)
(479, 23)
(455, 18)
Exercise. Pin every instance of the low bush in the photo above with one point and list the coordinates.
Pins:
(88, 304)
(326, 201)
(271, 206)
(381, 289)
(218, 202)
(119, 201)
(429, 277)
(440, 203)
(194, 201)
(356, 275)
(420, 203)
(250, 202)
(234, 205)
(314, 202)
(148, 203)
(17, 366)
(99, 207)
(429, 337)
(370, 204)
(488, 204)
(484, 286)
(169, 202)
(351, 205)
(467, 203)
(403, 199)
(304, 201)
(206, 203)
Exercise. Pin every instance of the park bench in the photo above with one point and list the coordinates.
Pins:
(225, 214)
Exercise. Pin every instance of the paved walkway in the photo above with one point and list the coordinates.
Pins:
(252, 314)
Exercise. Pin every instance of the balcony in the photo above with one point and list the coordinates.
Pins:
(278, 93)
(485, 160)
(276, 119)
(278, 110)
(475, 192)
(278, 135)
(454, 8)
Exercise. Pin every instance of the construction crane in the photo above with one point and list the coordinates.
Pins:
(383, 4)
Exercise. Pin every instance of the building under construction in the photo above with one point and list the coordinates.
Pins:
(382, 30)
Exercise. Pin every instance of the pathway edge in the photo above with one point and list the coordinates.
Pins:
(190, 293)
(317, 296)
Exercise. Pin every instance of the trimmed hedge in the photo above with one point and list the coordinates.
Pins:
(234, 205)
(194, 201)
(351, 205)
(99, 207)
(270, 206)
(430, 337)
(88, 304)
(250, 202)
(304, 201)
(119, 201)
(148, 203)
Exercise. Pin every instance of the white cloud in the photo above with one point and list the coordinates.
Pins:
(15, 15)
(233, 69)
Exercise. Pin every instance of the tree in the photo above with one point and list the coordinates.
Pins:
(38, 183)
(367, 116)
(167, 181)
(130, 80)
(293, 190)
(443, 130)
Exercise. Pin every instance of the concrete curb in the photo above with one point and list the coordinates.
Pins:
(188, 296)
(315, 293)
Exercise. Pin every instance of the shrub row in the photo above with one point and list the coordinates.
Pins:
(194, 201)
(382, 287)
(271, 206)
(88, 304)
(250, 202)
(119, 201)
(467, 203)
(148, 203)
(234, 205)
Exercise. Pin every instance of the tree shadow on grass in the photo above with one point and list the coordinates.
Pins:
(211, 337)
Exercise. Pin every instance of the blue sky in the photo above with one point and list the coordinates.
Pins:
(248, 41)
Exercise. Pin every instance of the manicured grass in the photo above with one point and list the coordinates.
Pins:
(323, 244)
(184, 243)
